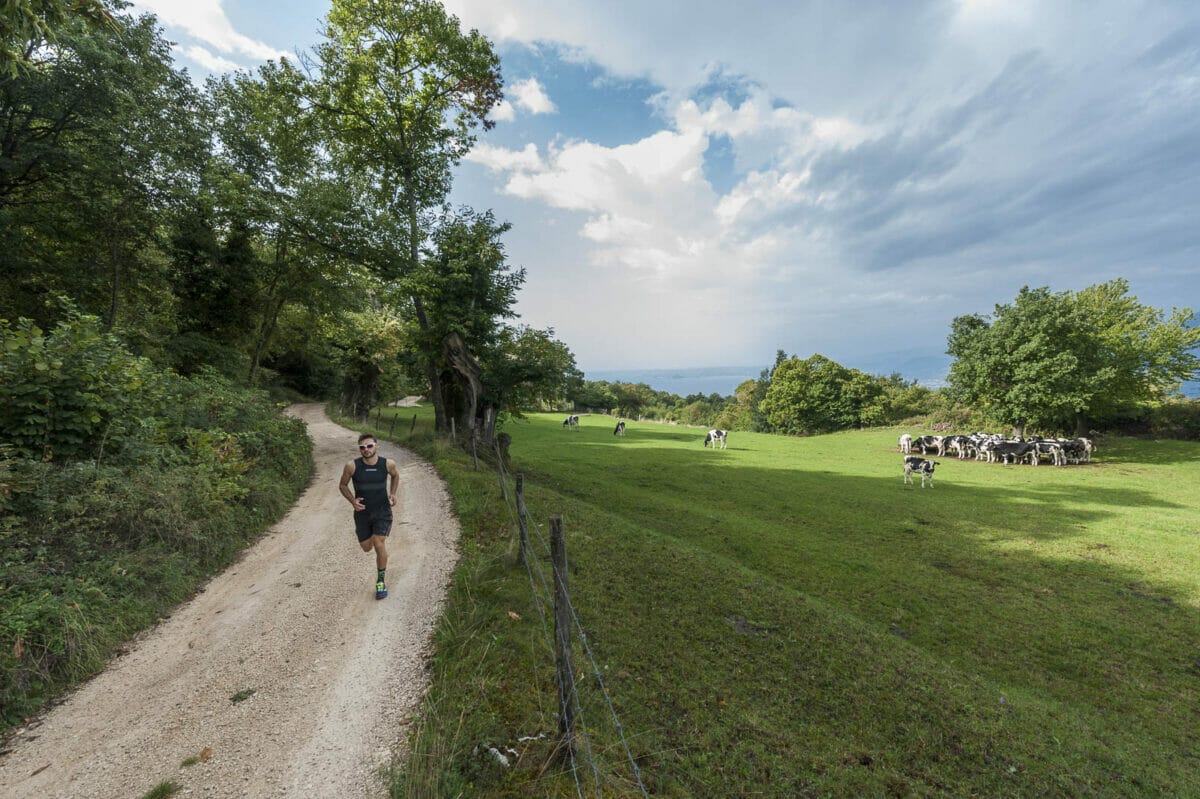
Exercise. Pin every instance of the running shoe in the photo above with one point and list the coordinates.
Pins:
(380, 590)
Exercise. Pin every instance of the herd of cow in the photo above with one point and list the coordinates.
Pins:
(988, 447)
(992, 448)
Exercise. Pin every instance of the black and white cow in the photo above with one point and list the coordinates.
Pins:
(716, 437)
(913, 464)
(620, 431)
(1016, 450)
(927, 443)
(571, 422)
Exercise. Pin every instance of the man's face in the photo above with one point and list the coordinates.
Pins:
(367, 448)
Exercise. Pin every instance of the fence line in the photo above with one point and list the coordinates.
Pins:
(574, 616)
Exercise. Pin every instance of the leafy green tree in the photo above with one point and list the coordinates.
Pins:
(26, 24)
(100, 141)
(594, 394)
(1056, 360)
(288, 209)
(817, 395)
(402, 90)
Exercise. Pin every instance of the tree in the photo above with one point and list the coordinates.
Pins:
(817, 395)
(100, 140)
(24, 24)
(1056, 360)
(276, 186)
(401, 92)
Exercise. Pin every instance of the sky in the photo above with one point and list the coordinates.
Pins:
(704, 183)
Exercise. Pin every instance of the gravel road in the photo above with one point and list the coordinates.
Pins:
(331, 677)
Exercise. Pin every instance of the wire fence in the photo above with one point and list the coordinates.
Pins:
(552, 598)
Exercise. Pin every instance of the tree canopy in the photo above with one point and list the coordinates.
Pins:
(1059, 359)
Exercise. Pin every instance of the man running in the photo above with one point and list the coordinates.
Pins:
(373, 497)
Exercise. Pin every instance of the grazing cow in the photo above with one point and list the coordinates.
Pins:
(927, 443)
(1017, 450)
(571, 422)
(921, 466)
(620, 431)
(906, 444)
(715, 437)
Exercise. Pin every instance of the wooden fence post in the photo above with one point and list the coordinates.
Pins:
(412, 426)
(392, 429)
(453, 435)
(521, 517)
(475, 455)
(562, 638)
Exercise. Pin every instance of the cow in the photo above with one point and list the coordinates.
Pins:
(620, 431)
(1017, 450)
(1052, 449)
(927, 443)
(906, 444)
(571, 422)
(920, 466)
(716, 437)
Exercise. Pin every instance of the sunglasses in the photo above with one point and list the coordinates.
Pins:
(366, 446)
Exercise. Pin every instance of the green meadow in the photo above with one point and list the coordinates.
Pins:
(786, 618)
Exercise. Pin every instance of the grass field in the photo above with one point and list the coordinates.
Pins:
(785, 618)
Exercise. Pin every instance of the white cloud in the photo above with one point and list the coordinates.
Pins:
(501, 159)
(205, 20)
(503, 112)
(530, 95)
(208, 60)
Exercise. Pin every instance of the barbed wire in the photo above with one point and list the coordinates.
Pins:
(509, 505)
(599, 679)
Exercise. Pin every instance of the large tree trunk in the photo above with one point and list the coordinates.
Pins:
(1081, 424)
(432, 372)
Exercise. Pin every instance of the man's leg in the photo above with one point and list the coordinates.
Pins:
(380, 544)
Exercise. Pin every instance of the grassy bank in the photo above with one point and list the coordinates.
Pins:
(93, 551)
(784, 618)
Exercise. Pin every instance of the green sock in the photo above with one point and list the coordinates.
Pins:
(381, 573)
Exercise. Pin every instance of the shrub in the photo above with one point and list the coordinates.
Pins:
(94, 547)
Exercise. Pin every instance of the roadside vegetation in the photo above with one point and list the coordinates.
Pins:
(786, 617)
(122, 488)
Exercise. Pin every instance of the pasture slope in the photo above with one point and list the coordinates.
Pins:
(785, 618)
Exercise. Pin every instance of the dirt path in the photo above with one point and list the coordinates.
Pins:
(335, 674)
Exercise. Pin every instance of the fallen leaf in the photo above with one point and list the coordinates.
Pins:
(18, 648)
(205, 754)
(514, 615)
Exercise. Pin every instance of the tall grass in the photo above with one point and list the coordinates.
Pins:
(785, 618)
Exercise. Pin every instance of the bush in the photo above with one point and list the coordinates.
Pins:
(1176, 419)
(94, 547)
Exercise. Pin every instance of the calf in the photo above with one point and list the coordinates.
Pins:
(715, 437)
(921, 466)
(620, 431)
(906, 443)
(571, 422)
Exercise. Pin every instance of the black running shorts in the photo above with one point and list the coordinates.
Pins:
(366, 525)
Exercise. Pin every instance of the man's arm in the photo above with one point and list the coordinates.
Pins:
(344, 487)
(394, 480)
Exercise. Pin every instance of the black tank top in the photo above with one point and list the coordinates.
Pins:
(370, 483)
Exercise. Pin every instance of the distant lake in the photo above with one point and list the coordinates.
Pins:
(724, 380)
(706, 380)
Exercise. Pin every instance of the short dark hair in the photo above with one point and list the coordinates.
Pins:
(365, 436)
